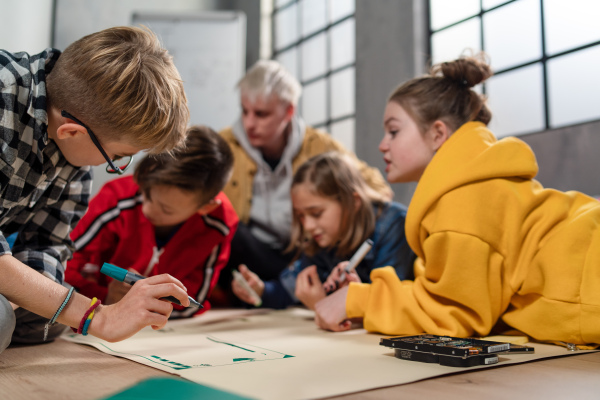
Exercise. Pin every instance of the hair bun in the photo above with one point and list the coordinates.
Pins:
(465, 71)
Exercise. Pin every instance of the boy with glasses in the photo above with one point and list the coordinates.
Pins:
(122, 84)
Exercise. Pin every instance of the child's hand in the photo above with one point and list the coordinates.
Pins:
(330, 313)
(140, 307)
(253, 281)
(334, 280)
(309, 289)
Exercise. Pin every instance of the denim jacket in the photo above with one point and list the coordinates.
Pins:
(389, 249)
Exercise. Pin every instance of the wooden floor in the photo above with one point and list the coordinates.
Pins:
(64, 370)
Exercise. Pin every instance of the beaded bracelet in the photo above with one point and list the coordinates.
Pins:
(57, 313)
(95, 303)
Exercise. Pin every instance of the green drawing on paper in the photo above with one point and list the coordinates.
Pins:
(173, 364)
(217, 352)
(231, 344)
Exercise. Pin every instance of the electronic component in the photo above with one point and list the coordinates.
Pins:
(450, 351)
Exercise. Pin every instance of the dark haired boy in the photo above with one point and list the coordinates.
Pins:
(170, 217)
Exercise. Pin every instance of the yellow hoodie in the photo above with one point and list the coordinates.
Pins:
(492, 244)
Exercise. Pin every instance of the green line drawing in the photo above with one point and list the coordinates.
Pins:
(259, 354)
(230, 344)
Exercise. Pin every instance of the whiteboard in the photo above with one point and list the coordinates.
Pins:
(209, 50)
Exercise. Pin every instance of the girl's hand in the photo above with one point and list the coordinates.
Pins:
(309, 289)
(334, 281)
(140, 307)
(253, 281)
(330, 313)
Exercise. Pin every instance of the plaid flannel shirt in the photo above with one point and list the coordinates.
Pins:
(42, 196)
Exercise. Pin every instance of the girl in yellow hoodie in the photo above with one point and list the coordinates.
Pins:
(493, 245)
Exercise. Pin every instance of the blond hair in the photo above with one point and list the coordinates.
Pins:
(268, 77)
(333, 175)
(445, 94)
(124, 86)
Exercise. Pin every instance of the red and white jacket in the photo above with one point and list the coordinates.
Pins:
(114, 230)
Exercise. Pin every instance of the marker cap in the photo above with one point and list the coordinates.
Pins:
(113, 271)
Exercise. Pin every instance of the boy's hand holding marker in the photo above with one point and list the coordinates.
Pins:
(130, 278)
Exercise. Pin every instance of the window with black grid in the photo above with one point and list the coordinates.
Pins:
(315, 41)
(545, 56)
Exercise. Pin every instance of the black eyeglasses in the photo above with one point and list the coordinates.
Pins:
(112, 167)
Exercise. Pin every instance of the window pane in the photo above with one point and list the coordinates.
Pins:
(512, 34)
(279, 3)
(487, 4)
(573, 86)
(342, 93)
(286, 27)
(314, 16)
(450, 43)
(289, 59)
(343, 131)
(516, 101)
(342, 44)
(313, 103)
(571, 24)
(341, 8)
(445, 12)
(314, 57)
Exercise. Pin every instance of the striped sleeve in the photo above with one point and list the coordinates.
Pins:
(95, 240)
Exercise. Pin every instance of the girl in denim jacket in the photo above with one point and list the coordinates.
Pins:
(334, 212)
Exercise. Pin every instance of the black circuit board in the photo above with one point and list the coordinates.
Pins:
(445, 345)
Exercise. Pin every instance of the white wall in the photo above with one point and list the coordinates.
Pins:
(77, 18)
(25, 25)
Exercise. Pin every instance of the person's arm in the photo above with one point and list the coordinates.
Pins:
(95, 240)
(43, 242)
(224, 250)
(139, 308)
(390, 247)
(220, 226)
(460, 292)
(276, 296)
(281, 292)
(195, 277)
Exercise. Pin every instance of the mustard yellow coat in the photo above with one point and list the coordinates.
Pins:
(492, 244)
(239, 187)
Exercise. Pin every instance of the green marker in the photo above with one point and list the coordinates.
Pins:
(130, 278)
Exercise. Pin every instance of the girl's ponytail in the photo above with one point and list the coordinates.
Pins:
(446, 94)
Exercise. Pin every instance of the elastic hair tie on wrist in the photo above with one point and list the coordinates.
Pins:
(89, 314)
(57, 313)
(86, 325)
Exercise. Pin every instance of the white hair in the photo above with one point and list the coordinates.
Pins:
(268, 77)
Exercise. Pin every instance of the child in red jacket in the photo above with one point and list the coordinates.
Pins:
(170, 217)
